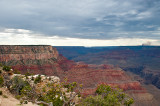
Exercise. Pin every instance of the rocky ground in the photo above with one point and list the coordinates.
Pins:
(7, 99)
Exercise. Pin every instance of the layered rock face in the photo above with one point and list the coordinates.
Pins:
(142, 60)
(93, 75)
(46, 60)
(9, 53)
(35, 59)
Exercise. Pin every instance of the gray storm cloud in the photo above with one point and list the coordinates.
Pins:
(88, 19)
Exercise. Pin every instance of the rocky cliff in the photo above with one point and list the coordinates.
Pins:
(46, 60)
(142, 60)
(9, 53)
(35, 59)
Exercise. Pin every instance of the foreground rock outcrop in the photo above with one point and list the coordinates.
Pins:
(46, 60)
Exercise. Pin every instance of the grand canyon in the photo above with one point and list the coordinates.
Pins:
(80, 52)
(141, 60)
(92, 67)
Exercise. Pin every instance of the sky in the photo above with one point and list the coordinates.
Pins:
(80, 22)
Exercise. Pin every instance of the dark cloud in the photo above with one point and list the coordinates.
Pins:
(91, 19)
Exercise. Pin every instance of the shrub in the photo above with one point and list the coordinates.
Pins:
(6, 68)
(53, 95)
(22, 89)
(5, 96)
(25, 102)
(16, 72)
(26, 91)
(1, 65)
(18, 84)
(18, 97)
(1, 92)
(94, 101)
(32, 78)
(1, 80)
(37, 79)
(50, 93)
(107, 96)
(21, 102)
(28, 74)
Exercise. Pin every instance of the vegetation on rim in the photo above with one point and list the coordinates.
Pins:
(46, 92)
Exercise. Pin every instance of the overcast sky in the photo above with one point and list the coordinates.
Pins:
(80, 22)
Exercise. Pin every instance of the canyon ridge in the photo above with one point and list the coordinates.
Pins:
(45, 59)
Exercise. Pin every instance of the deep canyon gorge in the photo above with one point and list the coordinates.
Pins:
(44, 59)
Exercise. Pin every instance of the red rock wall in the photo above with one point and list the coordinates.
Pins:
(8, 53)
(39, 59)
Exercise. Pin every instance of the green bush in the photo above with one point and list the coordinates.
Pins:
(16, 72)
(22, 89)
(107, 96)
(25, 102)
(5, 96)
(18, 84)
(50, 96)
(21, 102)
(32, 78)
(18, 97)
(28, 74)
(1, 65)
(54, 94)
(1, 80)
(37, 79)
(51, 92)
(6, 68)
(26, 91)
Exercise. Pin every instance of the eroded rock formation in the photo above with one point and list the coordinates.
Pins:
(46, 60)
